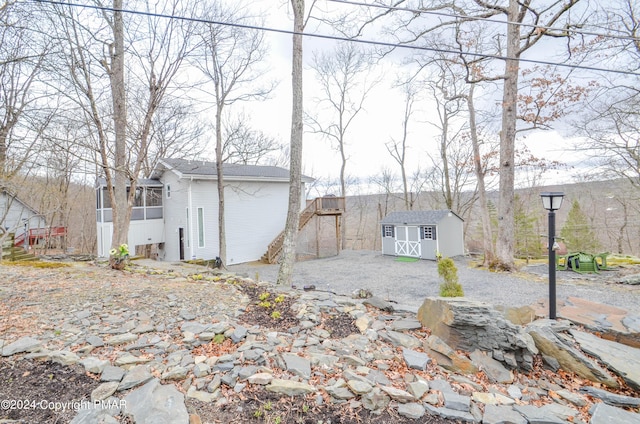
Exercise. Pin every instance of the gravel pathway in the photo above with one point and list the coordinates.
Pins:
(408, 283)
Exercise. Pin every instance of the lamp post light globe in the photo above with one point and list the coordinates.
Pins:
(552, 201)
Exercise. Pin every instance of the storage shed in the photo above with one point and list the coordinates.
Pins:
(422, 234)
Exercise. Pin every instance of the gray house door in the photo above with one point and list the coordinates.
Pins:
(408, 241)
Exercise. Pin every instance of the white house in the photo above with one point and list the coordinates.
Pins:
(422, 234)
(178, 210)
(17, 217)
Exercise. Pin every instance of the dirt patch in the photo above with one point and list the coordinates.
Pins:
(42, 392)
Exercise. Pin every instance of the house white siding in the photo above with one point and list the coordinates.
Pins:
(255, 214)
(16, 217)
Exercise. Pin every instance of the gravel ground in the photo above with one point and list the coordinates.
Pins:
(408, 283)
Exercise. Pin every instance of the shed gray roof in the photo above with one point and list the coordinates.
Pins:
(416, 217)
(207, 169)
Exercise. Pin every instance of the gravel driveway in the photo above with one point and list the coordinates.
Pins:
(408, 283)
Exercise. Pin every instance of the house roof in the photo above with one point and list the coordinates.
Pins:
(9, 193)
(207, 170)
(417, 217)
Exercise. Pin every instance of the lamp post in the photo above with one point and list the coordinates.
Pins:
(552, 201)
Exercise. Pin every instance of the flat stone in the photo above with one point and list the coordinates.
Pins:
(202, 396)
(569, 358)
(494, 370)
(411, 410)
(440, 385)
(450, 413)
(379, 303)
(341, 393)
(606, 414)
(177, 373)
(405, 324)
(261, 378)
(94, 365)
(538, 415)
(619, 358)
(322, 360)
(156, 403)
(359, 387)
(397, 394)
(24, 344)
(121, 339)
(611, 398)
(239, 333)
(134, 377)
(363, 322)
(290, 388)
(496, 414)
(572, 397)
(297, 365)
(415, 360)
(104, 390)
(400, 339)
(456, 401)
(129, 359)
(448, 358)
(143, 328)
(219, 327)
(484, 398)
(95, 341)
(201, 370)
(64, 357)
(418, 388)
(375, 400)
(111, 373)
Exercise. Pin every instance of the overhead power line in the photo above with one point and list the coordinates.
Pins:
(338, 38)
(482, 19)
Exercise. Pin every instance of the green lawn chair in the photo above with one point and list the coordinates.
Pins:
(562, 262)
(601, 260)
(583, 263)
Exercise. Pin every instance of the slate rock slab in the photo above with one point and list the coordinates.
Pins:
(156, 403)
(606, 414)
(619, 358)
(25, 344)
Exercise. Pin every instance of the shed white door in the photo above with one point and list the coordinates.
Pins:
(408, 241)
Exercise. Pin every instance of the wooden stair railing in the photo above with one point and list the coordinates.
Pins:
(275, 247)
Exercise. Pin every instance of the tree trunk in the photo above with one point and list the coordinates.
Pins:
(487, 236)
(121, 216)
(504, 245)
(222, 236)
(285, 272)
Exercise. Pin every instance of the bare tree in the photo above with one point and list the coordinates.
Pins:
(398, 148)
(230, 59)
(288, 259)
(345, 81)
(246, 145)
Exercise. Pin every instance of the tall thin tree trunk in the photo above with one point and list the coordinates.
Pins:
(487, 237)
(505, 242)
(285, 272)
(119, 201)
(222, 235)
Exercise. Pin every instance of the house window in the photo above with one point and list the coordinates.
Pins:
(428, 232)
(200, 227)
(387, 230)
(154, 196)
(168, 191)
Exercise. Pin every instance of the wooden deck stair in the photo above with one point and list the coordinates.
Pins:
(321, 206)
(11, 252)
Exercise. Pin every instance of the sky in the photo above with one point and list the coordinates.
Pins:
(377, 124)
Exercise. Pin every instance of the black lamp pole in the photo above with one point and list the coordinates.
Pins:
(552, 202)
(552, 265)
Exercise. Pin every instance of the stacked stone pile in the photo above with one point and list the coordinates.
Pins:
(458, 359)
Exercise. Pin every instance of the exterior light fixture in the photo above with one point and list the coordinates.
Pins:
(552, 201)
